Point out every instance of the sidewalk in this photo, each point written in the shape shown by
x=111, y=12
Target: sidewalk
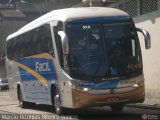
x=144, y=106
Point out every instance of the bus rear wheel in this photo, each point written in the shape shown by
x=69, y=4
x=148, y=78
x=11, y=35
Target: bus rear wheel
x=22, y=103
x=117, y=108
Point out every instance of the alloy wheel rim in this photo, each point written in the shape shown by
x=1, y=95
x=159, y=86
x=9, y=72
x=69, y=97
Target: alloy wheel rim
x=57, y=103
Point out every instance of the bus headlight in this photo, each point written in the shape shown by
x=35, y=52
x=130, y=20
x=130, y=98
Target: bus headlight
x=86, y=89
x=135, y=85
x=75, y=84
x=139, y=84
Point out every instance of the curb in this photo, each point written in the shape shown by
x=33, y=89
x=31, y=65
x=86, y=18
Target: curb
x=146, y=106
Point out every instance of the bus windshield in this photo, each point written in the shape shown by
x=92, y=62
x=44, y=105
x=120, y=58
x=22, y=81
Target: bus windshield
x=103, y=50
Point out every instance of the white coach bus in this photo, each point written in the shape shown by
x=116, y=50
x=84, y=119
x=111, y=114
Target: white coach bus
x=77, y=57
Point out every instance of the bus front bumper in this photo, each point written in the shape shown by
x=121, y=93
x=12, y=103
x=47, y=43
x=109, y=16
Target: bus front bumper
x=83, y=99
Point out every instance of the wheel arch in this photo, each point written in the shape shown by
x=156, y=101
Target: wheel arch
x=54, y=89
x=18, y=88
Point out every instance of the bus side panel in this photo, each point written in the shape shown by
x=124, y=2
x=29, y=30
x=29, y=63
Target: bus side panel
x=66, y=92
x=37, y=72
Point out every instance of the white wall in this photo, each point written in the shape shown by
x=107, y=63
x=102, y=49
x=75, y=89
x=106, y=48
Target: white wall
x=151, y=57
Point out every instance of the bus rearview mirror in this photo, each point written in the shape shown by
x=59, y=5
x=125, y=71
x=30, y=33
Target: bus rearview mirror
x=147, y=37
x=64, y=40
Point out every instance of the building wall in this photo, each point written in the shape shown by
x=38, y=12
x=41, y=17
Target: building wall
x=151, y=58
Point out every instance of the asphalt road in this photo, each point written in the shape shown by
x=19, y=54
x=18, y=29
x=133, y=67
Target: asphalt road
x=9, y=109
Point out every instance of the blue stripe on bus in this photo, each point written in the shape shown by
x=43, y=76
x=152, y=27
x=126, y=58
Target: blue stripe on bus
x=102, y=19
x=31, y=63
x=96, y=85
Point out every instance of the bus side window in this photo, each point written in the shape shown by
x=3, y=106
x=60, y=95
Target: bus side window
x=15, y=49
x=20, y=46
x=36, y=39
x=43, y=40
x=33, y=42
x=10, y=49
x=27, y=44
x=50, y=43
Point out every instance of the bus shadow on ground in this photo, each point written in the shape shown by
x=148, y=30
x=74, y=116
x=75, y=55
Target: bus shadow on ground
x=95, y=113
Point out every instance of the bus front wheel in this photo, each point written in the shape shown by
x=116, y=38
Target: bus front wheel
x=117, y=108
x=57, y=104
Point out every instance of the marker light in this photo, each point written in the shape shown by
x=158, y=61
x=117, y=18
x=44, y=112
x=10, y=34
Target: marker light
x=135, y=85
x=85, y=89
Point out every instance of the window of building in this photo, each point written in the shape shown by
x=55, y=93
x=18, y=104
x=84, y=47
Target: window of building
x=137, y=7
x=129, y=6
x=147, y=6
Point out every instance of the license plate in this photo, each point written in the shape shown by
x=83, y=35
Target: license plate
x=112, y=99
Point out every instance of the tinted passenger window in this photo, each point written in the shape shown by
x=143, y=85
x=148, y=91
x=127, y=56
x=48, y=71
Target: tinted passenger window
x=34, y=42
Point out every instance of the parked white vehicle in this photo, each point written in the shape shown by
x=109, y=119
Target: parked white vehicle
x=3, y=84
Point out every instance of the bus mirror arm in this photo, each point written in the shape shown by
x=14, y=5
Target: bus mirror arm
x=64, y=40
x=147, y=37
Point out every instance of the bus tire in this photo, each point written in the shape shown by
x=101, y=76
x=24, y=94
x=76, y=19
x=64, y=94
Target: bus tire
x=57, y=104
x=55, y=97
x=117, y=108
x=22, y=103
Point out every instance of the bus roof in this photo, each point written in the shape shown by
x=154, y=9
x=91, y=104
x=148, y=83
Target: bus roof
x=68, y=15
